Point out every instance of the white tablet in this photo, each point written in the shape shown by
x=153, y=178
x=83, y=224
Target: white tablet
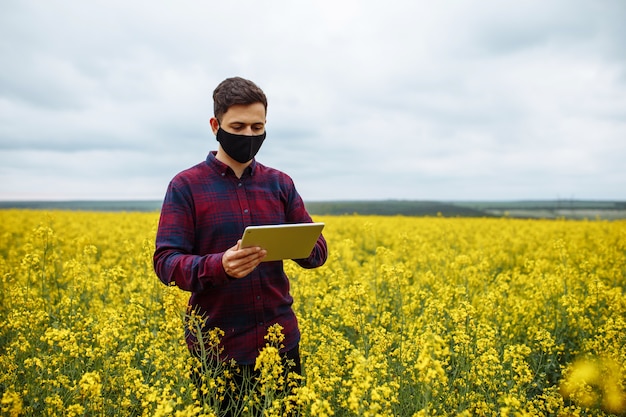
x=283, y=241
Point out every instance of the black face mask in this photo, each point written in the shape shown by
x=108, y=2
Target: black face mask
x=241, y=148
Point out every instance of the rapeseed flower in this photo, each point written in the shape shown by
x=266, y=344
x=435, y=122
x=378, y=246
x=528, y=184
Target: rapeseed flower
x=12, y=403
x=409, y=316
x=595, y=383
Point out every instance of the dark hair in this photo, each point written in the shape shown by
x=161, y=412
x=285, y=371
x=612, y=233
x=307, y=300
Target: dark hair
x=236, y=90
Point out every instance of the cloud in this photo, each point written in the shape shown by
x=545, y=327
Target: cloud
x=367, y=100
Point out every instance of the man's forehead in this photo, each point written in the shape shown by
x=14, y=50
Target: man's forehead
x=245, y=113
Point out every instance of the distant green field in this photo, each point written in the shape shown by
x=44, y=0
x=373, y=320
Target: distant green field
x=548, y=209
x=139, y=205
x=552, y=209
x=545, y=205
x=394, y=208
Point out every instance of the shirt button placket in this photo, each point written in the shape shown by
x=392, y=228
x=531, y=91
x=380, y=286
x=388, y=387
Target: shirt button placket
x=243, y=203
x=258, y=303
x=257, y=299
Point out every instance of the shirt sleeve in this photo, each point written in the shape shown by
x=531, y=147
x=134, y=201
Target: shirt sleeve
x=174, y=260
x=297, y=213
x=318, y=255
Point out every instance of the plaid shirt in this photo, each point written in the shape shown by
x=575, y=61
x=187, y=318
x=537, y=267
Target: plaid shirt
x=205, y=212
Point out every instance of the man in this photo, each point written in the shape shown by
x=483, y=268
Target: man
x=205, y=211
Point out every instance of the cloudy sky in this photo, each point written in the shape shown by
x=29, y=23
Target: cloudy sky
x=398, y=99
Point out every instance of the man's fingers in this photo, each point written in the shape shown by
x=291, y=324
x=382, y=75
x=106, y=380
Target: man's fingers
x=240, y=262
x=252, y=260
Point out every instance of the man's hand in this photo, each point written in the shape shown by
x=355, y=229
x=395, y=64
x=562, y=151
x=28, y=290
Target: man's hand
x=239, y=262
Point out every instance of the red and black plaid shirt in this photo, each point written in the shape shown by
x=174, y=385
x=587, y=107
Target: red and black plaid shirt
x=205, y=212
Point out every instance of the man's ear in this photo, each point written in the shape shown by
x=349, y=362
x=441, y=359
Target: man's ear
x=215, y=124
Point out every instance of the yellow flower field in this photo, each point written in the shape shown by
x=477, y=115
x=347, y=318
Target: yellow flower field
x=409, y=317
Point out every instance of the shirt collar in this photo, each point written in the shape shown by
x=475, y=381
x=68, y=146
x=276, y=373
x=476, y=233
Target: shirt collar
x=223, y=169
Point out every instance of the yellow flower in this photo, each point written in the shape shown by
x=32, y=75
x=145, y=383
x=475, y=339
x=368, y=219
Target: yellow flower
x=595, y=383
x=75, y=410
x=12, y=403
x=409, y=315
x=275, y=336
x=90, y=385
x=271, y=369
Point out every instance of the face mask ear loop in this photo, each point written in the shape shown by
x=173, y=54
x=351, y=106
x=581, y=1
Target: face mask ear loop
x=219, y=126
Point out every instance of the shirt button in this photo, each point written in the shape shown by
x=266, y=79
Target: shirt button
x=245, y=211
x=239, y=185
x=261, y=323
x=223, y=174
x=258, y=297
